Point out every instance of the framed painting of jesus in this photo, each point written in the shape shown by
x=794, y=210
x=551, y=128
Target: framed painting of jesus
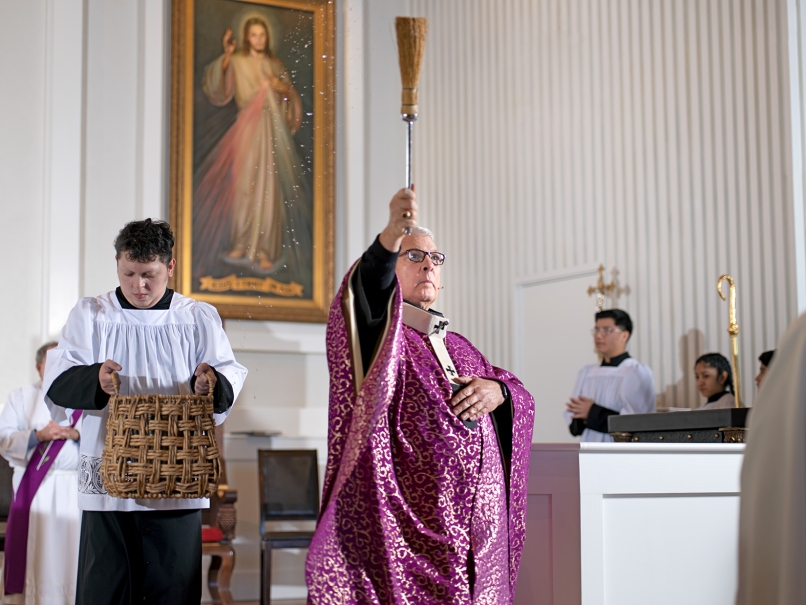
x=252, y=164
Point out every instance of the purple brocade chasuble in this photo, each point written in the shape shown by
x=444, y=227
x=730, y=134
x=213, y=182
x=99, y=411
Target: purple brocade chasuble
x=417, y=508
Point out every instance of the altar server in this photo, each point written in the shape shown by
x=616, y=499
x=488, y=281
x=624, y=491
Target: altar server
x=617, y=385
x=41, y=545
x=424, y=498
x=714, y=381
x=772, y=526
x=135, y=551
x=764, y=361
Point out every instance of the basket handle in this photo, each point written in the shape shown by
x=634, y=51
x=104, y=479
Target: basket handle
x=210, y=378
x=116, y=382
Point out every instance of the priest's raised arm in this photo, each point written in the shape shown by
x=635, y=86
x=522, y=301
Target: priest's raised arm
x=428, y=446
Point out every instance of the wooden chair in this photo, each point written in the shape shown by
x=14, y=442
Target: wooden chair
x=217, y=538
x=6, y=496
x=289, y=491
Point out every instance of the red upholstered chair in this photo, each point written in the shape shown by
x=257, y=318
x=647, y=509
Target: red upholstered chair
x=217, y=533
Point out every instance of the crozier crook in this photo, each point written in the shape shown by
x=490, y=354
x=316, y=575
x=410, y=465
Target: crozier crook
x=733, y=330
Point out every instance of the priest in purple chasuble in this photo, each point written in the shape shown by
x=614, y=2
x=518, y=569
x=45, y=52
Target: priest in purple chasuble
x=424, y=498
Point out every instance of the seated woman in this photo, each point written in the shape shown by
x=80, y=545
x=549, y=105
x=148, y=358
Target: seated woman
x=714, y=381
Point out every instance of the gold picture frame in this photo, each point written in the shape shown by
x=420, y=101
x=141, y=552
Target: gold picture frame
x=252, y=145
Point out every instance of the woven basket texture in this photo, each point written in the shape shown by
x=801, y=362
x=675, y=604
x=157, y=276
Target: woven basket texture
x=160, y=446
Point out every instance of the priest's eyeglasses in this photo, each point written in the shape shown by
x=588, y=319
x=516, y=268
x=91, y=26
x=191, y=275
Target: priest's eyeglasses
x=418, y=256
x=605, y=331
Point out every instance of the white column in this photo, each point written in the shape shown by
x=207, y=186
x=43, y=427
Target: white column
x=796, y=20
x=152, y=109
x=354, y=151
x=64, y=161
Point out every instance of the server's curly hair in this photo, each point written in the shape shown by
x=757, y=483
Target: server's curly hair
x=145, y=241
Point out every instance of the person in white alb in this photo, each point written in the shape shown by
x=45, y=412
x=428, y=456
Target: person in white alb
x=617, y=385
x=159, y=342
x=41, y=551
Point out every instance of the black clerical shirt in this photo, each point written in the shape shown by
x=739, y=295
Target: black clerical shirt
x=598, y=415
x=79, y=388
x=615, y=361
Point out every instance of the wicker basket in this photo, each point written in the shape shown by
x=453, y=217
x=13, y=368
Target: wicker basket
x=160, y=446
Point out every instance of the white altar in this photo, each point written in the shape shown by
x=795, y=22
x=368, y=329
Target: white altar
x=659, y=522
x=631, y=523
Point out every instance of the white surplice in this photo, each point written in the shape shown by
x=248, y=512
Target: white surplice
x=55, y=519
x=772, y=524
x=159, y=351
x=727, y=400
x=627, y=388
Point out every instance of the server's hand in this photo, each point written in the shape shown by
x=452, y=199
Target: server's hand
x=52, y=432
x=205, y=380
x=105, y=376
x=579, y=407
x=479, y=397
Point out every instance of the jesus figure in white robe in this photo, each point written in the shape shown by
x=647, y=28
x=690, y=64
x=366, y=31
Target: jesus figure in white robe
x=252, y=179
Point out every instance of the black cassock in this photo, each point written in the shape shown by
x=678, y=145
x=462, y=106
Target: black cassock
x=139, y=557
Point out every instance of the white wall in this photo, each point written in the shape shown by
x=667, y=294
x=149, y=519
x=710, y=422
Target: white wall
x=22, y=130
x=648, y=136
x=72, y=169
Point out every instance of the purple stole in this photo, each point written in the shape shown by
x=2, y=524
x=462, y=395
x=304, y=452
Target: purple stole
x=16, y=552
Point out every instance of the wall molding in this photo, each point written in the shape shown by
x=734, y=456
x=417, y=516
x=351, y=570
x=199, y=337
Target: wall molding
x=64, y=155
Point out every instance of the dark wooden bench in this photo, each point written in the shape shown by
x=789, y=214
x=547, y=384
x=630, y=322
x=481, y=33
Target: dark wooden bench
x=6, y=494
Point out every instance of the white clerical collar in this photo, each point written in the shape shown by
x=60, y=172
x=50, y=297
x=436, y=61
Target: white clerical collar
x=423, y=321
